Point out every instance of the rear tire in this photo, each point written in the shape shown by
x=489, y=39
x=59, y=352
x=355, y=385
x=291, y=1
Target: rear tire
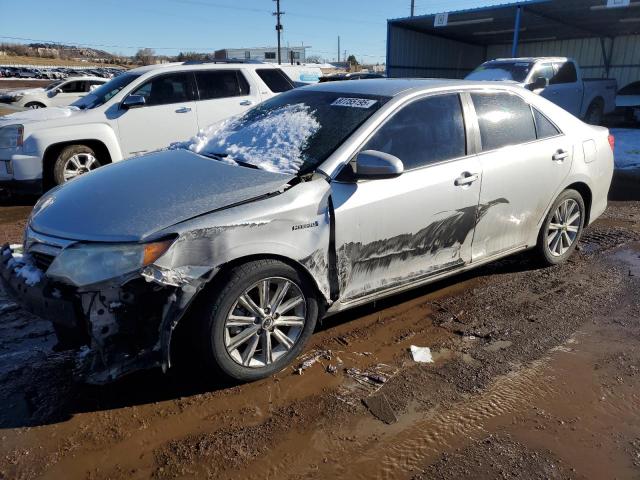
x=561, y=230
x=74, y=160
x=248, y=345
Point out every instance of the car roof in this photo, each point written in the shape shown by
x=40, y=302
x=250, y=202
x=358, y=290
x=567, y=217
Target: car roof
x=179, y=66
x=529, y=59
x=87, y=77
x=391, y=87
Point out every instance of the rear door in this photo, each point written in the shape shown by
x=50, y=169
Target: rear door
x=524, y=160
x=393, y=231
x=223, y=93
x=169, y=114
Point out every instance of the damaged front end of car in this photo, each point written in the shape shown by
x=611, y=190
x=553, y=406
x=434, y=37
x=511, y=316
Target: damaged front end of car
x=108, y=302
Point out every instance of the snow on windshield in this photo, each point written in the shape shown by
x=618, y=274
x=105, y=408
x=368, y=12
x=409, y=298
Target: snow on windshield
x=273, y=142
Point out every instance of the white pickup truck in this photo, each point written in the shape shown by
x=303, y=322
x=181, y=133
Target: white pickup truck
x=559, y=80
x=139, y=111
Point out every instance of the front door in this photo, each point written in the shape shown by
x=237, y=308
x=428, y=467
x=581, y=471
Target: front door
x=524, y=160
x=564, y=88
x=168, y=116
x=393, y=231
x=67, y=93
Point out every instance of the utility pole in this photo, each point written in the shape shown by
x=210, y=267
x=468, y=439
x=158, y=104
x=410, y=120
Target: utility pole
x=413, y=7
x=278, y=13
x=338, y=48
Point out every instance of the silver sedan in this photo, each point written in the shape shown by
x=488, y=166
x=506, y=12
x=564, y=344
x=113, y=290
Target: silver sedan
x=313, y=202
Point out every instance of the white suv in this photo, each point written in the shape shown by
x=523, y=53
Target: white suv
x=56, y=94
x=139, y=111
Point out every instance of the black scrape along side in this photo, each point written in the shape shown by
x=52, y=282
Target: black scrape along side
x=354, y=257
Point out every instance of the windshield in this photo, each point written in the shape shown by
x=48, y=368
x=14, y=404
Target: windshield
x=291, y=133
x=105, y=92
x=52, y=85
x=515, y=71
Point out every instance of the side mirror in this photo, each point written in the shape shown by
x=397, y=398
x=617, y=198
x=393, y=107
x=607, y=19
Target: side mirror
x=371, y=164
x=539, y=82
x=133, y=101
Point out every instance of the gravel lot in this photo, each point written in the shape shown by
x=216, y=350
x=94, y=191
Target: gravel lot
x=536, y=374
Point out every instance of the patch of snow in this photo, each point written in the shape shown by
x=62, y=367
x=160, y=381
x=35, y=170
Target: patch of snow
x=273, y=142
x=40, y=114
x=627, y=148
x=421, y=354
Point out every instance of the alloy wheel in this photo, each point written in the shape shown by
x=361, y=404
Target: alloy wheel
x=78, y=164
x=265, y=322
x=564, y=227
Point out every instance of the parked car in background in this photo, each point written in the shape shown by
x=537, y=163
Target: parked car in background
x=557, y=79
x=26, y=73
x=137, y=112
x=628, y=102
x=56, y=94
x=350, y=76
x=313, y=202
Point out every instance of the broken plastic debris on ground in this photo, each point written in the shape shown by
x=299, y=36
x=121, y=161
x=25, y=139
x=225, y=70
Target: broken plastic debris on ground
x=421, y=354
x=273, y=142
x=23, y=266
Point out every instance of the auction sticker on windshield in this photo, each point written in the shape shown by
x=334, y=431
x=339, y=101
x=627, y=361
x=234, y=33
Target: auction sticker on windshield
x=353, y=102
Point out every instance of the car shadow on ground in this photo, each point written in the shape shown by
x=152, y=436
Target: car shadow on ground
x=188, y=377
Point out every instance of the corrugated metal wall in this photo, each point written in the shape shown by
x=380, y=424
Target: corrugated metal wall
x=415, y=54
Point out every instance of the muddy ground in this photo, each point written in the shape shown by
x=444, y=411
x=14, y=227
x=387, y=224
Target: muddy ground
x=536, y=374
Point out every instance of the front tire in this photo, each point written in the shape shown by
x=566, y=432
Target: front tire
x=35, y=105
x=258, y=321
x=74, y=160
x=562, y=228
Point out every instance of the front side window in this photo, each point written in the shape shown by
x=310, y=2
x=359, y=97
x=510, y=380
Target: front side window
x=544, y=127
x=73, y=87
x=221, y=84
x=544, y=70
x=565, y=73
x=425, y=131
x=167, y=89
x=269, y=55
x=275, y=79
x=504, y=119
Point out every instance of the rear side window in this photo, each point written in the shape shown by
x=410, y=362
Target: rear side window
x=504, y=119
x=221, y=84
x=565, y=73
x=544, y=127
x=425, y=131
x=275, y=79
x=167, y=89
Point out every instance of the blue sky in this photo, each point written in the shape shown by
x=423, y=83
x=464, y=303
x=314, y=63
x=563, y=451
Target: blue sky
x=169, y=26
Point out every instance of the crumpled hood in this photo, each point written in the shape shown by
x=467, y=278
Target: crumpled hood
x=40, y=115
x=132, y=199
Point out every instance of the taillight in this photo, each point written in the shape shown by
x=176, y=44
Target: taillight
x=612, y=142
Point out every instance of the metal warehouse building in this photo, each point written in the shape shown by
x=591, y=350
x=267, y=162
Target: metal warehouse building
x=603, y=36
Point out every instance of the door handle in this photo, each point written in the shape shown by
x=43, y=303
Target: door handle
x=183, y=110
x=465, y=178
x=246, y=102
x=560, y=155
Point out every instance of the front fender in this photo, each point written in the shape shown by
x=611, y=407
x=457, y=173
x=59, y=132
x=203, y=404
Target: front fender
x=41, y=140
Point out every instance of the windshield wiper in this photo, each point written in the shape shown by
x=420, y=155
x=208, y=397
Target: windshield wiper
x=221, y=156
